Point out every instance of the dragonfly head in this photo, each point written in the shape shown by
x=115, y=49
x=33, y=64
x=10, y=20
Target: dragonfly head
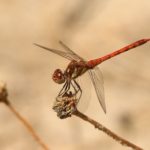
x=58, y=76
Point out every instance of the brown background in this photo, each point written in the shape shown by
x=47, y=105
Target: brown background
x=92, y=28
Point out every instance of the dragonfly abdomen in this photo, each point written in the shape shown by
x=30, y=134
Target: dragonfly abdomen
x=95, y=62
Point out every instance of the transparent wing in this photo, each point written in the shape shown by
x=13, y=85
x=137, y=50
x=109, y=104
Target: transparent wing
x=97, y=79
x=68, y=54
x=73, y=54
x=86, y=86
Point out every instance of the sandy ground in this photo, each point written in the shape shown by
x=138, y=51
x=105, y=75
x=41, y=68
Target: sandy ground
x=92, y=29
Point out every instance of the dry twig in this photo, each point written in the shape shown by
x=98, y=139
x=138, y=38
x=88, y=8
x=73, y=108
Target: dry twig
x=107, y=131
x=4, y=99
x=65, y=106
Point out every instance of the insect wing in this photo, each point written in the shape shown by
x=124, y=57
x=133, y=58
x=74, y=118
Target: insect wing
x=73, y=54
x=66, y=55
x=97, y=79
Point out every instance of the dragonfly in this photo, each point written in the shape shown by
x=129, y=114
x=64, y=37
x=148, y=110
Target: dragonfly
x=78, y=66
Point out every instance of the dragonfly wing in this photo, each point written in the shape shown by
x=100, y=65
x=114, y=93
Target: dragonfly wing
x=73, y=54
x=66, y=55
x=97, y=79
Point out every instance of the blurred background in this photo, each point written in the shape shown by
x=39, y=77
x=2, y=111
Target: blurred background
x=92, y=29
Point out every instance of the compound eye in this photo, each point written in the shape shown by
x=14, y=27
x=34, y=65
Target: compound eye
x=58, y=76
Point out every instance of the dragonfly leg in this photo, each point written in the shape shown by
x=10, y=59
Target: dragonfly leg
x=65, y=88
x=75, y=88
x=79, y=88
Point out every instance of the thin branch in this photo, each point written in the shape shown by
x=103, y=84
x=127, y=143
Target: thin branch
x=3, y=98
x=28, y=127
x=65, y=106
x=106, y=130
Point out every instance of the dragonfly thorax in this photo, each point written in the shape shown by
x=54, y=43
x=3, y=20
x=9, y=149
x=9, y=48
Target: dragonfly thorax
x=58, y=76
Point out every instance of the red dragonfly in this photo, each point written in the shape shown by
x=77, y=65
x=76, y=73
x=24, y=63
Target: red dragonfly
x=78, y=66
